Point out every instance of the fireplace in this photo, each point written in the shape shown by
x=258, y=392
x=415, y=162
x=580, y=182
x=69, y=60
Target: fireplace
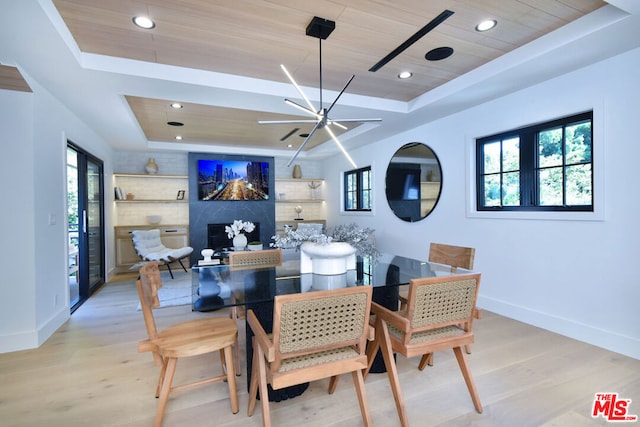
x=218, y=240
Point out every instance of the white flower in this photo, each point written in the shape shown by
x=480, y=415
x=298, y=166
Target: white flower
x=238, y=227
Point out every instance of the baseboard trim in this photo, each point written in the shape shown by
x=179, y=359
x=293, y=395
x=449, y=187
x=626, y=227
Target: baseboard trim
x=590, y=334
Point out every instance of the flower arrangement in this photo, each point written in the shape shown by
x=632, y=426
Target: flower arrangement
x=358, y=237
x=238, y=227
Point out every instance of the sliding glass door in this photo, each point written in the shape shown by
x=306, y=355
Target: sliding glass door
x=85, y=206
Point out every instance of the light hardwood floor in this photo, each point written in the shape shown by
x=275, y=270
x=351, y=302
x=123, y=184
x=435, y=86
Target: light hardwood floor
x=89, y=373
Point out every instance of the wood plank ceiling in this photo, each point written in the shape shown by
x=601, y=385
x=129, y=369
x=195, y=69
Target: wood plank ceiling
x=253, y=37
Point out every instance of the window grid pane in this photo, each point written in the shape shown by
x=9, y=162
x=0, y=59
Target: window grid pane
x=546, y=166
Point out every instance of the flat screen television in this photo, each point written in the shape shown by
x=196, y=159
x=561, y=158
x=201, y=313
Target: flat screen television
x=403, y=183
x=233, y=180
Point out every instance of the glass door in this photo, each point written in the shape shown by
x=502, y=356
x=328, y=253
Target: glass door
x=85, y=207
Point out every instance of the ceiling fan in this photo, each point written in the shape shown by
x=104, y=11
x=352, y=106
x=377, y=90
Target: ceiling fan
x=319, y=28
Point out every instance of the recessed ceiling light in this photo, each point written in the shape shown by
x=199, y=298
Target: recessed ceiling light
x=289, y=145
x=144, y=22
x=405, y=75
x=175, y=123
x=486, y=25
x=438, y=53
x=178, y=137
x=176, y=105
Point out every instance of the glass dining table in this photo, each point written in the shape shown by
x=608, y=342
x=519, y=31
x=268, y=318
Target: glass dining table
x=255, y=287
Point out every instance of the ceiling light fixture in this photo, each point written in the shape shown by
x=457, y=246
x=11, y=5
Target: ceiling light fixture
x=405, y=75
x=179, y=138
x=176, y=105
x=319, y=28
x=486, y=25
x=144, y=22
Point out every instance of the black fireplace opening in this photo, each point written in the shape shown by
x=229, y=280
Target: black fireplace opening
x=218, y=240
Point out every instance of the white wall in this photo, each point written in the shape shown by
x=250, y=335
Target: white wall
x=17, y=251
x=34, y=284
x=572, y=277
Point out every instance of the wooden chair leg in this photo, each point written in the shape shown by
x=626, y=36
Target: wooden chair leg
x=333, y=383
x=231, y=379
x=163, y=369
x=358, y=381
x=233, y=314
x=392, y=372
x=264, y=392
x=372, y=350
x=169, y=368
x=253, y=385
x=466, y=373
x=427, y=359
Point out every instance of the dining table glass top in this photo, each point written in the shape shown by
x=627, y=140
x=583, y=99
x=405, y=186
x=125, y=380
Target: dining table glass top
x=219, y=286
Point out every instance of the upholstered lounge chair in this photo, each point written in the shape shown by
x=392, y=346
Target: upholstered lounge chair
x=149, y=247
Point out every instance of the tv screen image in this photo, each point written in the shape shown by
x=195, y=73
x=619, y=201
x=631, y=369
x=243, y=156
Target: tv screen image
x=233, y=180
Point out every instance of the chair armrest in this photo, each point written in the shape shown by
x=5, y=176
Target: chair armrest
x=392, y=317
x=261, y=337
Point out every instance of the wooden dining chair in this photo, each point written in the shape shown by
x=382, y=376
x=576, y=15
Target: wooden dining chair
x=242, y=260
x=316, y=335
x=252, y=259
x=453, y=257
x=439, y=312
x=190, y=338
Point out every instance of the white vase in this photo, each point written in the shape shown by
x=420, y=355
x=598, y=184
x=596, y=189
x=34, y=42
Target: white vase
x=240, y=242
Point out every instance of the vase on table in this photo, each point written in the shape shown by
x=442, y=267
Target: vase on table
x=240, y=242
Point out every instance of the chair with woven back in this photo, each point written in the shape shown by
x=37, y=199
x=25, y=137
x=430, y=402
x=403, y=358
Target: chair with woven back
x=452, y=257
x=246, y=260
x=186, y=339
x=316, y=335
x=438, y=317
x=252, y=259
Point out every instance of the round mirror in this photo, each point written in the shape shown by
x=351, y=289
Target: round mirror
x=414, y=181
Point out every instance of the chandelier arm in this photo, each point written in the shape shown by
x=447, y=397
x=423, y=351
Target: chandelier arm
x=284, y=122
x=340, y=94
x=341, y=147
x=293, y=82
x=315, y=128
x=302, y=108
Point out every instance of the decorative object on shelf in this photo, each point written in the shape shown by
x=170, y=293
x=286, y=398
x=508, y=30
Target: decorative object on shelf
x=358, y=237
x=206, y=254
x=282, y=196
x=431, y=175
x=151, y=167
x=235, y=232
x=130, y=196
x=314, y=186
x=180, y=195
x=154, y=219
x=297, y=172
x=255, y=246
x=298, y=211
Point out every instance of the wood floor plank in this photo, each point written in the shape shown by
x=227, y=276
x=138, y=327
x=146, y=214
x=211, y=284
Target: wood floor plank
x=90, y=373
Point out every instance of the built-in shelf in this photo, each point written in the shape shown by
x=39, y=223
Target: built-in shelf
x=299, y=200
x=152, y=201
x=296, y=191
x=144, y=175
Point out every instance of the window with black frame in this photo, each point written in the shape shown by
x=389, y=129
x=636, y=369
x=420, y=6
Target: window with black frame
x=357, y=190
x=543, y=167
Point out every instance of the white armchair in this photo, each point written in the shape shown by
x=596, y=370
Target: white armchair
x=149, y=247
